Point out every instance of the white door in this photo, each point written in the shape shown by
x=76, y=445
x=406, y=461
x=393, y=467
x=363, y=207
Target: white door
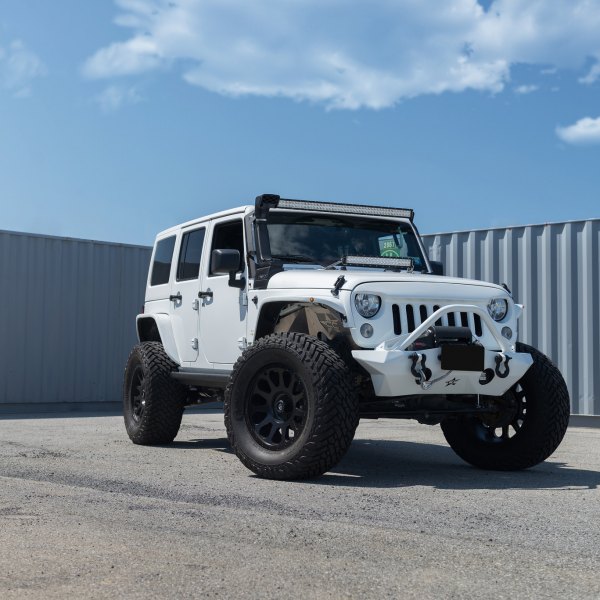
x=185, y=303
x=223, y=308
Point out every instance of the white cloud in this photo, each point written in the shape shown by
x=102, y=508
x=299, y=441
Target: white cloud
x=19, y=66
x=114, y=97
x=526, y=89
x=593, y=74
x=348, y=53
x=124, y=58
x=584, y=131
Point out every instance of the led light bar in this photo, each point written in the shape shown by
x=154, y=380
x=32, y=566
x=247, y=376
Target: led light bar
x=355, y=209
x=378, y=261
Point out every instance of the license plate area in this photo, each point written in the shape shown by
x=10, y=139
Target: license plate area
x=460, y=357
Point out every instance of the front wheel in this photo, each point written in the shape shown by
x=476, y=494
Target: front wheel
x=290, y=410
x=528, y=429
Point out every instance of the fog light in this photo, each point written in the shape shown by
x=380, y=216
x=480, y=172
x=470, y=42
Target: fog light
x=507, y=332
x=366, y=330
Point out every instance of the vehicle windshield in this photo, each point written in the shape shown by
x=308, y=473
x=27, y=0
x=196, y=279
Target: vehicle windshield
x=325, y=239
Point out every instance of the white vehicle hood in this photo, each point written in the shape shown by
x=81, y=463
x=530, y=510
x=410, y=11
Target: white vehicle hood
x=312, y=279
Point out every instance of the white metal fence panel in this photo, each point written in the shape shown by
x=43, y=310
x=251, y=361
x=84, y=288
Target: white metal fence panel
x=553, y=269
x=67, y=317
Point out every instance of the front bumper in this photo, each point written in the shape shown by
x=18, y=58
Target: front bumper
x=397, y=371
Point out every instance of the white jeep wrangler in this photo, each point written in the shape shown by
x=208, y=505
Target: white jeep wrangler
x=307, y=316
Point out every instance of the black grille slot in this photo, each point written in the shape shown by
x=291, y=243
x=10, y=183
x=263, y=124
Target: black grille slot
x=396, y=317
x=461, y=320
x=478, y=329
x=410, y=317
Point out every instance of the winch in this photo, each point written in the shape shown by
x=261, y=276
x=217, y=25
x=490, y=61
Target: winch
x=437, y=336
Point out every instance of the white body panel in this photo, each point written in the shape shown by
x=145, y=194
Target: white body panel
x=222, y=317
x=185, y=312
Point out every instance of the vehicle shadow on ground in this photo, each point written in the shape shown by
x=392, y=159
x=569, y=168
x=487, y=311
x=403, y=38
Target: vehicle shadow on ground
x=391, y=463
x=377, y=463
x=199, y=444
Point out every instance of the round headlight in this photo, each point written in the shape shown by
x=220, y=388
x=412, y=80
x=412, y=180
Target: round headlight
x=497, y=307
x=367, y=305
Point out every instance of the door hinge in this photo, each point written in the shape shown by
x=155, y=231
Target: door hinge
x=196, y=304
x=244, y=299
x=194, y=343
x=242, y=343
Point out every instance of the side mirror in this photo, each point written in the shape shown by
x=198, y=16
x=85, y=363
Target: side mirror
x=437, y=268
x=223, y=262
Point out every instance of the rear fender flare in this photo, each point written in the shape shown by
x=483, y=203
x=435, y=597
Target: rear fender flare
x=165, y=331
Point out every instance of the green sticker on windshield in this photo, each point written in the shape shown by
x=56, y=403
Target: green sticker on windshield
x=389, y=249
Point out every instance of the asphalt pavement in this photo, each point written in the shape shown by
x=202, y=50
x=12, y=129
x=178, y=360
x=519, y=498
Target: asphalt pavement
x=84, y=513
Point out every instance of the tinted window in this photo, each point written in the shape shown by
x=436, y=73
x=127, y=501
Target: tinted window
x=190, y=255
x=162, y=261
x=229, y=236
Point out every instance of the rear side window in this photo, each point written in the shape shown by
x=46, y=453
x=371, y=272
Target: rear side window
x=161, y=267
x=190, y=254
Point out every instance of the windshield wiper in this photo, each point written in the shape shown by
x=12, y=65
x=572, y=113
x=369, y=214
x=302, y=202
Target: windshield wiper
x=337, y=263
x=296, y=258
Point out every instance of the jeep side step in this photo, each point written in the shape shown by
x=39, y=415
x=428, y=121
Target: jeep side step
x=213, y=378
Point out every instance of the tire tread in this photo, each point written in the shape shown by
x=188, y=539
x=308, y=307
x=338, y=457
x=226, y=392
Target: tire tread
x=336, y=416
x=165, y=398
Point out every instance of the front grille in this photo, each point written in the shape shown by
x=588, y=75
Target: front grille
x=407, y=317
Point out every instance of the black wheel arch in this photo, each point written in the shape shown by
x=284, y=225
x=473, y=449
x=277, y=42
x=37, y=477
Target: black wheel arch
x=147, y=330
x=297, y=315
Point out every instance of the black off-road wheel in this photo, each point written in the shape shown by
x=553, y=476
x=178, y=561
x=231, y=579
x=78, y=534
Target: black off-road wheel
x=153, y=402
x=529, y=428
x=290, y=409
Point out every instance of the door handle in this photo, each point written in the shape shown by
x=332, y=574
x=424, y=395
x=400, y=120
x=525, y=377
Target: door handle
x=175, y=297
x=205, y=294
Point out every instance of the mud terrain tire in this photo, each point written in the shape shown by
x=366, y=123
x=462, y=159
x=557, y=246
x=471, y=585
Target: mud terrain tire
x=290, y=409
x=153, y=402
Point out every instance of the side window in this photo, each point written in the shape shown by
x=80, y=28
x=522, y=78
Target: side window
x=161, y=267
x=229, y=236
x=190, y=254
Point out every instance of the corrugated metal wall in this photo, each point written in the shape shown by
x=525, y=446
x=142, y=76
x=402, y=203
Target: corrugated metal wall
x=67, y=317
x=554, y=270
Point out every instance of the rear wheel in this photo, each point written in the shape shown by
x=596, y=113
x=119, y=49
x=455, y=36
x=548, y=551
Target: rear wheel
x=528, y=429
x=290, y=410
x=153, y=402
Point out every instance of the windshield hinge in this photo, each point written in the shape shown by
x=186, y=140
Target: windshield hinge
x=339, y=282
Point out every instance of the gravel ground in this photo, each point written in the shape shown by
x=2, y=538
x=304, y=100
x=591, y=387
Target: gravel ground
x=85, y=513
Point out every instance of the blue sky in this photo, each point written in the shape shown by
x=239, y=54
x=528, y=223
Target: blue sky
x=119, y=119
